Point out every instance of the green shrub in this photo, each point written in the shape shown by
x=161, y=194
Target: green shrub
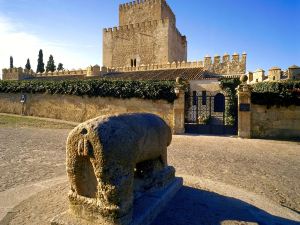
x=229, y=86
x=104, y=88
x=276, y=93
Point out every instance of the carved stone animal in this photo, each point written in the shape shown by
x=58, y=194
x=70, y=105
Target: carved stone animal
x=111, y=158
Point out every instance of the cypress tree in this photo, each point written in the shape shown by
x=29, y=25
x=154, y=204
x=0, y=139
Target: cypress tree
x=28, y=66
x=41, y=65
x=50, y=65
x=11, y=62
x=60, y=67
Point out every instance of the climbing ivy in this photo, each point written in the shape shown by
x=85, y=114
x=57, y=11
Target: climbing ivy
x=284, y=93
x=229, y=87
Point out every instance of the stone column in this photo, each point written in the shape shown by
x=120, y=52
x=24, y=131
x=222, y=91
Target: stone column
x=178, y=108
x=244, y=109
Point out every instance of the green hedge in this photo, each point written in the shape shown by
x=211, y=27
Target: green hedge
x=276, y=93
x=104, y=88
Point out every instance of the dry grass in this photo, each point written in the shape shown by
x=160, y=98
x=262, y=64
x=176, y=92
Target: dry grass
x=23, y=121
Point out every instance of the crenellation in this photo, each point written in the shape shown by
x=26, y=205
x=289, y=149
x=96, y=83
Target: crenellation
x=244, y=57
x=138, y=26
x=226, y=58
x=139, y=3
x=217, y=59
x=207, y=62
x=235, y=57
x=226, y=68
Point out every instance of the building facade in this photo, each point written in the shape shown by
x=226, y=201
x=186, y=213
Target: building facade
x=146, y=34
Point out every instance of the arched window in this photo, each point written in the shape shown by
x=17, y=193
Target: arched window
x=131, y=62
x=134, y=62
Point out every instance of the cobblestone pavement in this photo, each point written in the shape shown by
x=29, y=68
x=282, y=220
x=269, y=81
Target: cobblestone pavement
x=268, y=168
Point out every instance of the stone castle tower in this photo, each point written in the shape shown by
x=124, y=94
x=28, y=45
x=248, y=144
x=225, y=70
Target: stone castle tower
x=147, y=34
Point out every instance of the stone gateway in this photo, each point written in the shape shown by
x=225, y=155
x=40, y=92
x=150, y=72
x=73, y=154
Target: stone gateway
x=112, y=161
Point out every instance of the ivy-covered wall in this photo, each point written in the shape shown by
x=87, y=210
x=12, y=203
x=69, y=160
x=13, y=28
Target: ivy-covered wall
x=80, y=100
x=275, y=111
x=285, y=93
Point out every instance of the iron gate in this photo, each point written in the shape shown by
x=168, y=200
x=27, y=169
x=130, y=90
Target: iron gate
x=205, y=114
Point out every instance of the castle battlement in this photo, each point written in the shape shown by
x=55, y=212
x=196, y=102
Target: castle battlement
x=235, y=64
x=16, y=74
x=146, y=34
x=235, y=58
x=229, y=65
x=138, y=26
x=139, y=3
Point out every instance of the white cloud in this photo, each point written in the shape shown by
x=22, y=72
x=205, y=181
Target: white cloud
x=16, y=42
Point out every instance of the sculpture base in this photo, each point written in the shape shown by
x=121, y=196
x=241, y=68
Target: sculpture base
x=145, y=209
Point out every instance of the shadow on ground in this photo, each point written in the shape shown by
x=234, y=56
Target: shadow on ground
x=190, y=206
x=197, y=207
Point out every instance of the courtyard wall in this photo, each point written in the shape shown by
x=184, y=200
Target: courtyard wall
x=80, y=109
x=275, y=122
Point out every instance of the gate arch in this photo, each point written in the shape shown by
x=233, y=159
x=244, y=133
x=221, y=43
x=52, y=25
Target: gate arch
x=205, y=113
x=219, y=103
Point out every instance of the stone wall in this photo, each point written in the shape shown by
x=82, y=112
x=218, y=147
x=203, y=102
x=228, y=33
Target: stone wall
x=22, y=74
x=80, y=109
x=138, y=12
x=228, y=65
x=210, y=85
x=177, y=45
x=16, y=74
x=146, y=42
x=146, y=34
x=275, y=122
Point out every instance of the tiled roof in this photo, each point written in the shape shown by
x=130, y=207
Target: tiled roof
x=167, y=74
x=163, y=74
x=56, y=78
x=294, y=67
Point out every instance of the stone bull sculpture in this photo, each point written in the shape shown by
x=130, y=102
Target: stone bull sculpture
x=112, y=161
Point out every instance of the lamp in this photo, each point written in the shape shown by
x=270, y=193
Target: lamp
x=177, y=91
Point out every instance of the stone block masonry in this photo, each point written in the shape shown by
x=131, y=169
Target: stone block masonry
x=80, y=109
x=229, y=65
x=147, y=10
x=147, y=34
x=275, y=122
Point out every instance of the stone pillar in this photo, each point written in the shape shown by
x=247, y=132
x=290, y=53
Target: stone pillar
x=178, y=109
x=244, y=109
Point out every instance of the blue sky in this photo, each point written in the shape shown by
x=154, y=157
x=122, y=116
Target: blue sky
x=71, y=30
